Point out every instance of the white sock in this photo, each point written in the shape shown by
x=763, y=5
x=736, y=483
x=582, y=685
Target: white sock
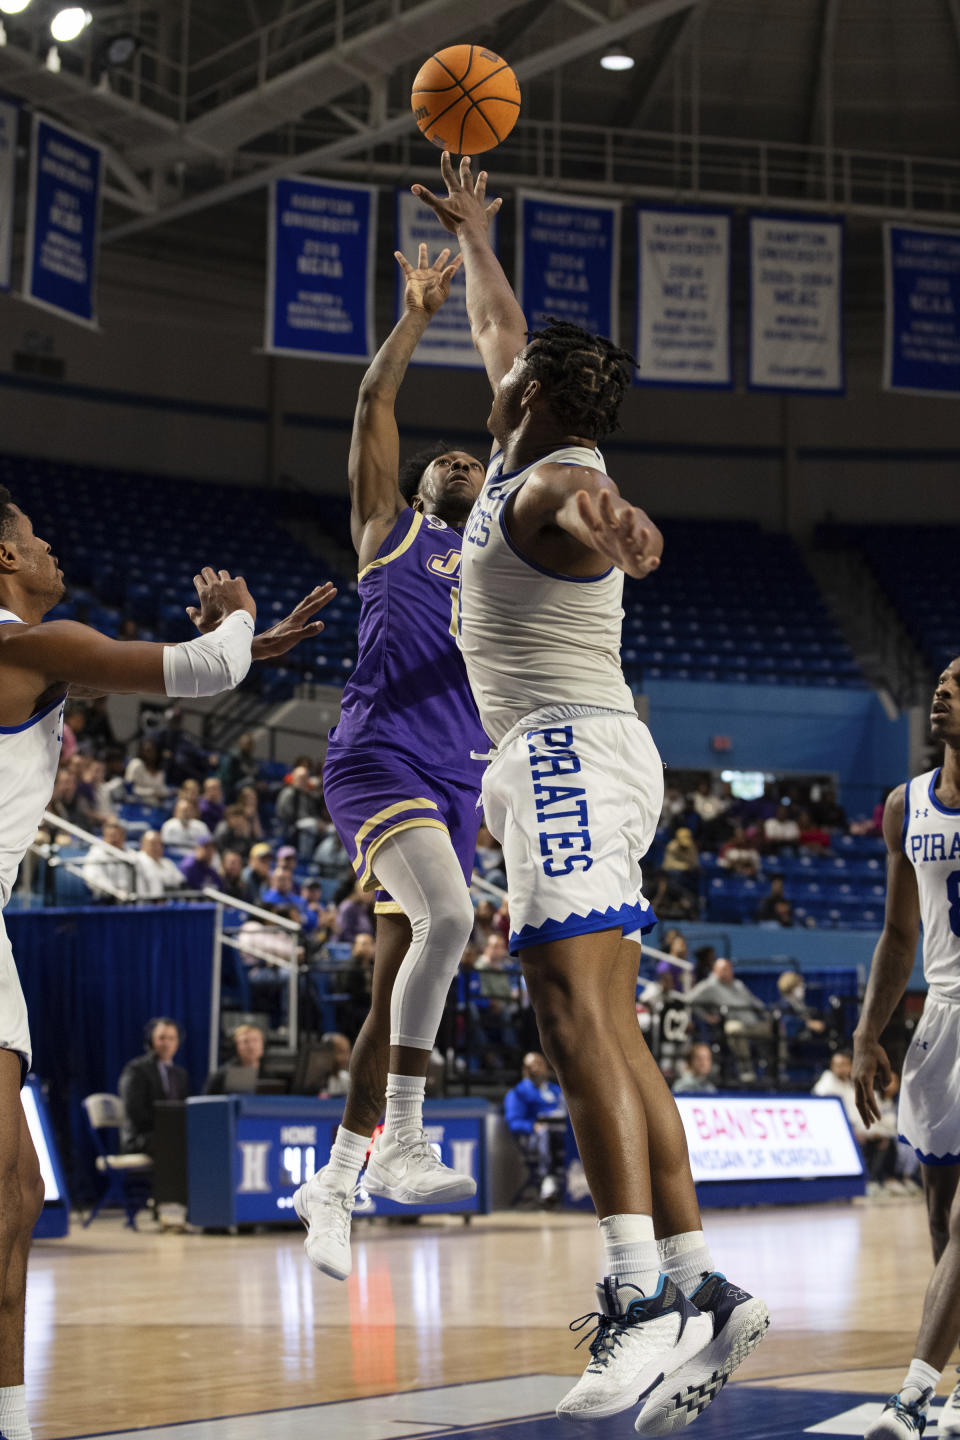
x=13, y=1412
x=346, y=1157
x=404, y=1103
x=920, y=1377
x=686, y=1259
x=630, y=1251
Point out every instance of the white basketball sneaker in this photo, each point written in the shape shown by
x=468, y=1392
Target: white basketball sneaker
x=738, y=1323
x=901, y=1419
x=406, y=1168
x=948, y=1421
x=637, y=1339
x=325, y=1209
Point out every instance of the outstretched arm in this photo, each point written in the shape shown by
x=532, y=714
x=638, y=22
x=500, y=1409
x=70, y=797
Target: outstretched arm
x=375, y=499
x=574, y=519
x=496, y=320
x=892, y=963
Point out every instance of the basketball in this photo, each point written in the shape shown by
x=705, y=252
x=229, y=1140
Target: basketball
x=465, y=99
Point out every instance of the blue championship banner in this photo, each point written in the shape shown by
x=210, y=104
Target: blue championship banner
x=447, y=341
x=796, y=304
x=922, y=346
x=8, y=163
x=320, y=270
x=63, y=222
x=683, y=298
x=568, y=261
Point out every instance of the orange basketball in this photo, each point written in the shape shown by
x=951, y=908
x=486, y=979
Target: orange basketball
x=465, y=99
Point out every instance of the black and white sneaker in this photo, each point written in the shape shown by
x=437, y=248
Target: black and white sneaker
x=739, y=1322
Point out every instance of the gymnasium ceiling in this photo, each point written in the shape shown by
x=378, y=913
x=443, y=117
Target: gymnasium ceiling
x=853, y=104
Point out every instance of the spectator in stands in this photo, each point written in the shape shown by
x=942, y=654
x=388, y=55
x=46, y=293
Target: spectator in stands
x=704, y=958
x=766, y=910
x=238, y=767
x=483, y=917
x=180, y=755
x=74, y=739
x=114, y=783
x=357, y=981
x=92, y=798
x=156, y=873
x=489, y=859
x=287, y=860
x=696, y=1076
x=828, y=812
x=247, y=1055
x=145, y=777
x=231, y=880
x=260, y=942
x=494, y=954
x=109, y=877
x=781, y=831
x=740, y=855
x=258, y=871
x=312, y=893
x=63, y=801
x=874, y=825
x=682, y=857
x=537, y=1116
x=724, y=1000
x=147, y=1079
x=711, y=810
x=198, y=869
x=98, y=727
x=671, y=896
x=338, y=1082
x=674, y=806
x=233, y=831
x=184, y=830
x=354, y=914
x=331, y=858
x=814, y=839
x=793, y=1003
x=248, y=798
x=663, y=1015
x=281, y=893
x=838, y=1080
x=299, y=811
x=783, y=913
x=211, y=806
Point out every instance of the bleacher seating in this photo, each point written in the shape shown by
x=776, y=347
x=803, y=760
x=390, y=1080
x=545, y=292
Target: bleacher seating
x=912, y=565
x=842, y=890
x=738, y=604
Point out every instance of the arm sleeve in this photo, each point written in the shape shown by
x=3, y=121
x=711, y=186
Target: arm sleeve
x=210, y=663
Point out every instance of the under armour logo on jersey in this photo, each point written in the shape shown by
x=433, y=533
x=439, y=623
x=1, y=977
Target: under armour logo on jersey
x=922, y=1044
x=925, y=814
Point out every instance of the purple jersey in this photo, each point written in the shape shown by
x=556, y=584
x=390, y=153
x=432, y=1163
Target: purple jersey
x=409, y=691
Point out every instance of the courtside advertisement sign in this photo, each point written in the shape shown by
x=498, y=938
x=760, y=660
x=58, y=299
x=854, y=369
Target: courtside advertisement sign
x=448, y=340
x=63, y=221
x=568, y=261
x=683, y=298
x=767, y=1138
x=796, y=304
x=922, y=349
x=320, y=270
x=8, y=163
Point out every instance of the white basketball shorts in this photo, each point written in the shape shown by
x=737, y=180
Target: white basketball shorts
x=574, y=794
x=14, y=1026
x=929, y=1115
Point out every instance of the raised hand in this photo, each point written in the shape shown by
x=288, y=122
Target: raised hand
x=294, y=627
x=219, y=594
x=427, y=286
x=464, y=203
x=621, y=532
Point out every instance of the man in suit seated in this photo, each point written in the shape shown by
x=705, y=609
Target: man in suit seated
x=537, y=1117
x=149, y=1078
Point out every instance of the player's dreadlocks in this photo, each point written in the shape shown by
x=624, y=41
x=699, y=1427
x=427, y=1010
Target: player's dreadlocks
x=585, y=377
x=411, y=471
x=7, y=517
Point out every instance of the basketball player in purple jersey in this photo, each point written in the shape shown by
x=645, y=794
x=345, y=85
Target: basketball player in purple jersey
x=573, y=791
x=401, y=786
x=39, y=665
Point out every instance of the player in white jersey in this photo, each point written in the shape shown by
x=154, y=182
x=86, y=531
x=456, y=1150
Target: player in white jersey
x=573, y=792
x=39, y=664
x=921, y=825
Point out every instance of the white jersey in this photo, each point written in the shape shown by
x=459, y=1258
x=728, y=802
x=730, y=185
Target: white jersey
x=931, y=842
x=531, y=637
x=29, y=756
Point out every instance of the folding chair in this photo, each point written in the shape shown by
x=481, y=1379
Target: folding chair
x=129, y=1177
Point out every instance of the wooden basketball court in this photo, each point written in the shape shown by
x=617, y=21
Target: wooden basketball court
x=445, y=1328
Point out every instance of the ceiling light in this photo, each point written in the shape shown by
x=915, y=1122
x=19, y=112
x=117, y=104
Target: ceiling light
x=67, y=24
x=13, y=7
x=120, y=49
x=616, y=58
